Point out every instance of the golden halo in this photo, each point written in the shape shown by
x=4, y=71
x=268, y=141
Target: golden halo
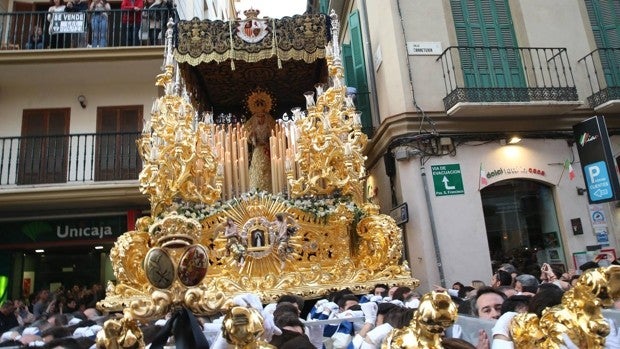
x=259, y=101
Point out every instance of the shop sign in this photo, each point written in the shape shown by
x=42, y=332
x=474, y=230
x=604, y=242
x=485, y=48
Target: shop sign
x=59, y=230
x=515, y=171
x=447, y=179
x=597, y=161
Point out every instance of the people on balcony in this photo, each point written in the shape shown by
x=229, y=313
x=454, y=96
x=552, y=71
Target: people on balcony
x=130, y=22
x=78, y=39
x=99, y=23
x=57, y=39
x=36, y=40
x=155, y=16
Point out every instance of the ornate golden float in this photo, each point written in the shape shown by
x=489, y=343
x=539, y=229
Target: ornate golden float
x=313, y=233
x=211, y=236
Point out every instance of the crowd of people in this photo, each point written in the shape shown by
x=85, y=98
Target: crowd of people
x=68, y=318
x=137, y=17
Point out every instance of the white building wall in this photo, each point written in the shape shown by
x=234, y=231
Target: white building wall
x=459, y=219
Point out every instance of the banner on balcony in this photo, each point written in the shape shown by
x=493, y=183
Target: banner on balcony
x=68, y=22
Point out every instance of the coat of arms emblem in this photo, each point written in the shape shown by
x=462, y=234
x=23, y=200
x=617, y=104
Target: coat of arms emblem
x=252, y=29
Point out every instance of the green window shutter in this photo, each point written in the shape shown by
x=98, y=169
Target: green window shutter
x=347, y=63
x=605, y=21
x=487, y=23
x=324, y=6
x=359, y=71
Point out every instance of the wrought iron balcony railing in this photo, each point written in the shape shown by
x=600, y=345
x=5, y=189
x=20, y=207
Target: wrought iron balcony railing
x=603, y=72
x=69, y=158
x=62, y=30
x=506, y=74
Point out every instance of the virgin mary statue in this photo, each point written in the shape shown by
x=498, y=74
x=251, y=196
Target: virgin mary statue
x=259, y=126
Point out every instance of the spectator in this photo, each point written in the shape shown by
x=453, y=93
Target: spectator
x=57, y=39
x=526, y=283
x=78, y=39
x=36, y=39
x=130, y=22
x=42, y=301
x=487, y=304
x=8, y=319
x=293, y=335
x=99, y=23
x=155, y=15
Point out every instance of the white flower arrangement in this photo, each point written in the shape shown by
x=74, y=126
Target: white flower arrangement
x=319, y=207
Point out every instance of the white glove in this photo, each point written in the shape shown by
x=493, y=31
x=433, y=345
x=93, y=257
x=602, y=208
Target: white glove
x=502, y=325
x=398, y=302
x=376, y=299
x=568, y=344
x=269, y=308
x=330, y=307
x=357, y=341
x=613, y=338
x=457, y=331
x=270, y=327
x=319, y=306
x=379, y=333
x=502, y=344
x=370, y=312
x=248, y=300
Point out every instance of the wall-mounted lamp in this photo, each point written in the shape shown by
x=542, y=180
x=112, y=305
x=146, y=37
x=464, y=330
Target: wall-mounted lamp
x=514, y=140
x=510, y=140
x=581, y=191
x=82, y=101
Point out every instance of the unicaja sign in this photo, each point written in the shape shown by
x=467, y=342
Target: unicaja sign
x=68, y=232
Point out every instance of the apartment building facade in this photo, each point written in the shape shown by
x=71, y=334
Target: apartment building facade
x=449, y=83
x=71, y=115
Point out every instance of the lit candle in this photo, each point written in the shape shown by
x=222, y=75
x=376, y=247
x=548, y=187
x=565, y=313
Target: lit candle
x=309, y=99
x=357, y=118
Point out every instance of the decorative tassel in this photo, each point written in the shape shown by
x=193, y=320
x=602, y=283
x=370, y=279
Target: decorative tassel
x=232, y=47
x=275, y=42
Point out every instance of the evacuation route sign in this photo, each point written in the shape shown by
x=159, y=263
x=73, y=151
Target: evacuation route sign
x=447, y=179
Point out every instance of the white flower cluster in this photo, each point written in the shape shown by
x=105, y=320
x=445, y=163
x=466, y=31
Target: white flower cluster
x=319, y=207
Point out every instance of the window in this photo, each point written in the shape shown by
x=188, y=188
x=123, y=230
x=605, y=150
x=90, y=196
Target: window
x=117, y=156
x=44, y=146
x=605, y=20
x=487, y=24
x=355, y=71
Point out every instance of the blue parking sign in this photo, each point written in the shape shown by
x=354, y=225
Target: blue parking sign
x=597, y=181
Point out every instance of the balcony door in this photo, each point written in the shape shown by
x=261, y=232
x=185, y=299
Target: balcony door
x=605, y=20
x=117, y=156
x=484, y=30
x=44, y=146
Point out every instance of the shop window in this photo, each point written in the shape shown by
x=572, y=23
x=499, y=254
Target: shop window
x=44, y=146
x=522, y=225
x=117, y=156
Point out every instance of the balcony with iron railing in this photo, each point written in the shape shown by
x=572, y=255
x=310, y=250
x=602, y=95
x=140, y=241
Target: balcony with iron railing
x=602, y=68
x=70, y=159
x=64, y=30
x=492, y=81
